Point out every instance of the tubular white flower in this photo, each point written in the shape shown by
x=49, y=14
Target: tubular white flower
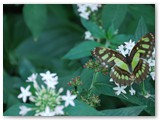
x=24, y=93
x=69, y=99
x=48, y=76
x=119, y=89
x=59, y=110
x=47, y=112
x=24, y=110
x=132, y=91
x=88, y=35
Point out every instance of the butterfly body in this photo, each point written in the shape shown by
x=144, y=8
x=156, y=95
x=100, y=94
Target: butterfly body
x=131, y=68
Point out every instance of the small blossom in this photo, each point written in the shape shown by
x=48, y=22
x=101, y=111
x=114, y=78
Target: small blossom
x=69, y=99
x=111, y=80
x=47, y=112
x=119, y=89
x=147, y=95
x=122, y=50
x=24, y=93
x=129, y=45
x=51, y=83
x=86, y=9
x=24, y=110
x=152, y=75
x=48, y=76
x=59, y=110
x=88, y=35
x=32, y=78
x=151, y=62
x=132, y=91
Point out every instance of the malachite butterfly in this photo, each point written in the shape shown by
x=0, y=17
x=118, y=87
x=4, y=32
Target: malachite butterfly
x=133, y=67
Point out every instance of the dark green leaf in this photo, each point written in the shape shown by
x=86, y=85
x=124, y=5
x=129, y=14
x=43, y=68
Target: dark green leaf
x=95, y=30
x=113, y=14
x=81, y=50
x=25, y=69
x=127, y=111
x=147, y=11
x=35, y=16
x=82, y=109
x=141, y=29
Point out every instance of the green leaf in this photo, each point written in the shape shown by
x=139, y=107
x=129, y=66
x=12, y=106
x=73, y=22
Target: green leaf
x=127, y=111
x=14, y=110
x=95, y=30
x=107, y=89
x=113, y=14
x=81, y=50
x=141, y=29
x=120, y=39
x=10, y=86
x=25, y=68
x=147, y=11
x=82, y=109
x=35, y=16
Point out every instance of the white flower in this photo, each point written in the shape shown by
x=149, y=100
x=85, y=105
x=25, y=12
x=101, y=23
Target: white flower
x=132, y=91
x=32, y=78
x=59, y=110
x=86, y=9
x=69, y=99
x=129, y=45
x=25, y=93
x=24, y=110
x=47, y=112
x=119, y=89
x=147, y=95
x=152, y=75
x=51, y=83
x=111, y=80
x=151, y=62
x=48, y=76
x=88, y=35
x=85, y=15
x=122, y=50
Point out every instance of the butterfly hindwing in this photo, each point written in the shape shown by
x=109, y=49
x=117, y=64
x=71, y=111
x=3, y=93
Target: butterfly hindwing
x=120, y=76
x=141, y=71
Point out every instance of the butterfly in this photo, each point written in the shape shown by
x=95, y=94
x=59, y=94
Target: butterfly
x=125, y=70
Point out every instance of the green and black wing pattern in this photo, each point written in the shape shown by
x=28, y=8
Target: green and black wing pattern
x=122, y=71
x=106, y=56
x=144, y=46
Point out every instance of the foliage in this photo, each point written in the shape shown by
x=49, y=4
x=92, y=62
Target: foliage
x=51, y=37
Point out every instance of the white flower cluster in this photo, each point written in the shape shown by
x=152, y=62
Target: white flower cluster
x=126, y=48
x=48, y=101
x=86, y=9
x=121, y=89
x=88, y=36
x=151, y=62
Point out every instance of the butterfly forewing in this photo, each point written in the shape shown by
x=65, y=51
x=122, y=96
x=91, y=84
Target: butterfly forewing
x=107, y=56
x=144, y=47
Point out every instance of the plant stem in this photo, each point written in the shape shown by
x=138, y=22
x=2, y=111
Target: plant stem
x=143, y=89
x=93, y=80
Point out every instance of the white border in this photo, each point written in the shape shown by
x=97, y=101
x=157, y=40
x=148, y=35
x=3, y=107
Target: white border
x=76, y=2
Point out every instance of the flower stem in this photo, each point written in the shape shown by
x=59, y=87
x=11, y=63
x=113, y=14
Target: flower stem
x=93, y=80
x=144, y=92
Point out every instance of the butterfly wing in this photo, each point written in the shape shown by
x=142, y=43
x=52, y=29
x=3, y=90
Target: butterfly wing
x=107, y=56
x=120, y=76
x=144, y=47
x=120, y=72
